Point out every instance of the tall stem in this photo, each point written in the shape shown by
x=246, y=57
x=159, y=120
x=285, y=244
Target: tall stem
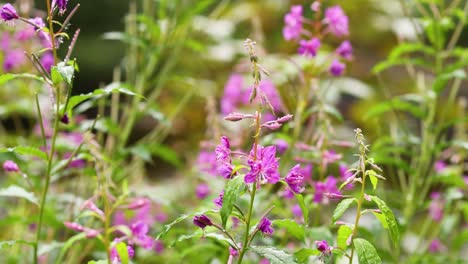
x=359, y=203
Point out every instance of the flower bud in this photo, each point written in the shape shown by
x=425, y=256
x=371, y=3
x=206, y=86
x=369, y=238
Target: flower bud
x=10, y=166
x=202, y=221
x=284, y=119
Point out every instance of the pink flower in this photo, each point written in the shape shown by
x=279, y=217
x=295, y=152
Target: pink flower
x=329, y=186
x=206, y=162
x=232, y=93
x=309, y=48
x=13, y=59
x=293, y=23
x=436, y=207
x=114, y=255
x=8, y=13
x=10, y=166
x=265, y=226
x=202, y=191
x=323, y=246
x=435, y=246
x=61, y=5
x=295, y=179
x=439, y=166
x=202, y=221
x=337, y=68
x=219, y=201
x=337, y=21
x=297, y=211
x=139, y=235
x=265, y=167
x=223, y=158
x=345, y=50
x=268, y=95
x=47, y=61
x=281, y=146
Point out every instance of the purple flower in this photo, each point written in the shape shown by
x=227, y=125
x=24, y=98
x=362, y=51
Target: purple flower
x=90, y=205
x=233, y=252
x=74, y=163
x=297, y=211
x=337, y=68
x=158, y=246
x=206, y=162
x=139, y=235
x=223, y=153
x=330, y=156
x=293, y=23
x=329, y=186
x=47, y=61
x=281, y=146
x=435, y=246
x=265, y=226
x=8, y=13
x=219, y=201
x=436, y=207
x=10, y=166
x=439, y=166
x=265, y=167
x=295, y=180
x=287, y=194
x=266, y=89
x=345, y=50
x=232, y=93
x=202, y=221
x=13, y=59
x=61, y=5
x=309, y=48
x=5, y=41
x=323, y=246
x=114, y=255
x=202, y=191
x=337, y=21
x=306, y=171
x=345, y=175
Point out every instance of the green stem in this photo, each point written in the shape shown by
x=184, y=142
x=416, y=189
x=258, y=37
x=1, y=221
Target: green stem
x=48, y=174
x=247, y=224
x=359, y=205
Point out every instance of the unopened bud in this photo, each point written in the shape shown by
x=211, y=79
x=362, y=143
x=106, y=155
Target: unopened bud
x=284, y=119
x=236, y=117
x=273, y=125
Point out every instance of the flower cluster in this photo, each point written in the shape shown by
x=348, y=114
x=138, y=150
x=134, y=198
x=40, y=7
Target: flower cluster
x=335, y=22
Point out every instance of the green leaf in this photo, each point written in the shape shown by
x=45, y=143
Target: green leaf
x=23, y=150
x=303, y=206
x=373, y=178
x=390, y=219
x=181, y=218
x=98, y=262
x=142, y=152
x=302, y=255
x=381, y=218
x=123, y=252
x=70, y=243
x=16, y=191
x=204, y=234
x=344, y=232
x=442, y=80
x=390, y=63
x=396, y=104
x=66, y=72
x=9, y=243
x=166, y=153
x=275, y=256
x=10, y=76
x=231, y=192
x=341, y=208
x=292, y=228
x=367, y=254
x=405, y=48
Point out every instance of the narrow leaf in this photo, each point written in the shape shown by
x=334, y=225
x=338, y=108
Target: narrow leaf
x=291, y=227
x=275, y=256
x=231, y=192
x=16, y=191
x=390, y=219
x=302, y=256
x=341, y=208
x=367, y=254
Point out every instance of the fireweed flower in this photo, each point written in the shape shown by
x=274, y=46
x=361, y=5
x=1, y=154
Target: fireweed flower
x=309, y=48
x=293, y=23
x=114, y=255
x=265, y=167
x=61, y=5
x=297, y=211
x=8, y=13
x=219, y=200
x=206, y=162
x=336, y=68
x=47, y=61
x=202, y=191
x=268, y=90
x=295, y=180
x=158, y=246
x=223, y=158
x=202, y=221
x=435, y=246
x=13, y=59
x=345, y=50
x=10, y=166
x=329, y=186
x=232, y=94
x=265, y=226
x=337, y=21
x=345, y=175
x=323, y=246
x=233, y=252
x=281, y=146
x=436, y=207
x=439, y=166
x=139, y=235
